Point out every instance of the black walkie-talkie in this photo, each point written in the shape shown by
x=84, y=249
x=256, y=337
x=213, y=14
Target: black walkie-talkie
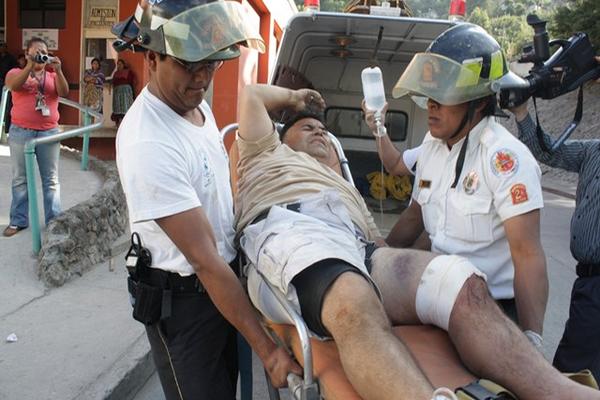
x=138, y=258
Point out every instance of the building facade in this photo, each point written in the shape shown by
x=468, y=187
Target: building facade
x=79, y=30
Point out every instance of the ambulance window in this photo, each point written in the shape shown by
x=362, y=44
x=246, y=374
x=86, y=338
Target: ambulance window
x=349, y=122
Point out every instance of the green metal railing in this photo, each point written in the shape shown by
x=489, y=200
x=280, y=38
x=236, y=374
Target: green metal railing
x=2, y=112
x=34, y=219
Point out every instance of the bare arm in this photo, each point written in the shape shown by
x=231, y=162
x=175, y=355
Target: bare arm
x=531, y=279
x=257, y=100
x=192, y=234
x=390, y=156
x=408, y=227
x=62, y=86
x=14, y=82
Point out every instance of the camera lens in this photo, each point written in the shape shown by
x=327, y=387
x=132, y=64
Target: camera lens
x=41, y=58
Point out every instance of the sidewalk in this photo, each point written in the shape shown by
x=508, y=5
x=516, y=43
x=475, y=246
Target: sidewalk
x=74, y=342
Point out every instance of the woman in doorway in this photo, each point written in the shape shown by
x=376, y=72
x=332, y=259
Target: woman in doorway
x=35, y=92
x=123, y=83
x=94, y=85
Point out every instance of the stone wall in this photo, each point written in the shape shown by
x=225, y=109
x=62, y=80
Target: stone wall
x=83, y=235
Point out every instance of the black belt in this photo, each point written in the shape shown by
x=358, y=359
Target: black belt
x=173, y=281
x=177, y=283
x=264, y=213
x=587, y=270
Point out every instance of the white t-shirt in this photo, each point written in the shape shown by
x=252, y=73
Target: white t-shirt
x=500, y=179
x=167, y=165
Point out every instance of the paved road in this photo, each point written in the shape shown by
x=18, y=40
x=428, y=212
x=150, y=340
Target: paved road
x=561, y=268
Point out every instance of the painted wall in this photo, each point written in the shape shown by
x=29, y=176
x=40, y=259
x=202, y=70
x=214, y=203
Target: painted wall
x=69, y=49
x=269, y=16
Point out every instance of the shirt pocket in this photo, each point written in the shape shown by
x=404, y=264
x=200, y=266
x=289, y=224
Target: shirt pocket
x=428, y=210
x=469, y=218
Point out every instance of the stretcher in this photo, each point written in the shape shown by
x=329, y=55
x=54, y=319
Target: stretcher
x=323, y=376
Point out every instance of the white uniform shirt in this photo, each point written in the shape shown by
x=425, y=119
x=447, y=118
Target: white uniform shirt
x=500, y=179
x=167, y=165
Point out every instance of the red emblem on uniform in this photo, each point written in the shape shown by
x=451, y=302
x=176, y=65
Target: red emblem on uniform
x=504, y=162
x=518, y=193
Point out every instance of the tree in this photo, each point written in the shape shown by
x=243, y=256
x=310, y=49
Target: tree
x=511, y=32
x=480, y=17
x=577, y=16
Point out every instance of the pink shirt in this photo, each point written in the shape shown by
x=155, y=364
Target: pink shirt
x=24, y=113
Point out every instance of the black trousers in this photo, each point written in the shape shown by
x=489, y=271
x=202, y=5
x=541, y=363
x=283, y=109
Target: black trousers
x=195, y=350
x=579, y=347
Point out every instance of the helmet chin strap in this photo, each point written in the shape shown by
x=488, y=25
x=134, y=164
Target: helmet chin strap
x=466, y=119
x=463, y=149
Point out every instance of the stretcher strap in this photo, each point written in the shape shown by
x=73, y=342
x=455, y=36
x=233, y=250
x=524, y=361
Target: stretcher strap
x=484, y=390
x=583, y=377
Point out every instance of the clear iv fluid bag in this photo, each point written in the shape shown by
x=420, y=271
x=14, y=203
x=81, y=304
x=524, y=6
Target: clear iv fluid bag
x=372, y=85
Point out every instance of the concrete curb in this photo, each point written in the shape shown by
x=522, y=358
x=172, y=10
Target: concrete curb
x=126, y=376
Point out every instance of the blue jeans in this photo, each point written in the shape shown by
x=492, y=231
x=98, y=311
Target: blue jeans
x=47, y=159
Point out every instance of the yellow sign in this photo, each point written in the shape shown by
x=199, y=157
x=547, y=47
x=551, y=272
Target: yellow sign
x=101, y=17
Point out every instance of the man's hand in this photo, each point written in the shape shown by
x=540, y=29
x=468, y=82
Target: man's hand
x=370, y=117
x=279, y=365
x=598, y=61
x=308, y=98
x=520, y=111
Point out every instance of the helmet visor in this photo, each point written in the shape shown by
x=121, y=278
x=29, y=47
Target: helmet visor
x=202, y=31
x=443, y=80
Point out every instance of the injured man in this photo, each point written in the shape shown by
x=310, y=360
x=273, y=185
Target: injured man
x=309, y=232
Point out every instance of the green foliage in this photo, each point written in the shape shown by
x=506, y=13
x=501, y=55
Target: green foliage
x=511, y=32
x=480, y=17
x=577, y=16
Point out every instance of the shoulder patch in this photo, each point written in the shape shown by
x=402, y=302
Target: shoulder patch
x=504, y=162
x=518, y=193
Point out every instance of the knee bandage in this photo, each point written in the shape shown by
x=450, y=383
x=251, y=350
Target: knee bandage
x=440, y=285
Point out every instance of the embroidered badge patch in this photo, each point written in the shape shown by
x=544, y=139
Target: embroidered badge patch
x=471, y=182
x=518, y=193
x=504, y=162
x=424, y=184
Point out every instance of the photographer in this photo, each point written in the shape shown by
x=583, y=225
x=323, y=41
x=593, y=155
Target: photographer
x=579, y=347
x=35, y=92
x=477, y=188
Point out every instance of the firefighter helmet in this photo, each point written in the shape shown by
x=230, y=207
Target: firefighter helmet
x=459, y=66
x=191, y=30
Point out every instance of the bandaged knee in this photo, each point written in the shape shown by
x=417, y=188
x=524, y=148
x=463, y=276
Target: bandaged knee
x=439, y=287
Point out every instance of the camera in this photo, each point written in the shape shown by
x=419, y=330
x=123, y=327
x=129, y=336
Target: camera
x=43, y=58
x=568, y=68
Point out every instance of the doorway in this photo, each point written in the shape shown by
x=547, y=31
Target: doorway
x=101, y=48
